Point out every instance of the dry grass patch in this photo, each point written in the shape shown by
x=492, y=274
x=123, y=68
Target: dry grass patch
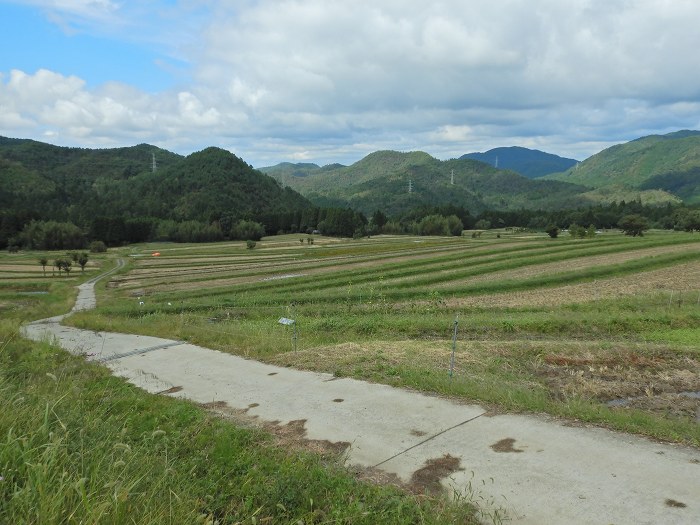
x=369, y=358
x=651, y=376
x=580, y=263
x=684, y=277
x=31, y=268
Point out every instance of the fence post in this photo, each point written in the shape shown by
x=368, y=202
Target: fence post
x=454, y=346
x=294, y=316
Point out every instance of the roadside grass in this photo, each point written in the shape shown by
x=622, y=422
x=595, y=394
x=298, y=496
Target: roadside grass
x=396, y=297
x=78, y=445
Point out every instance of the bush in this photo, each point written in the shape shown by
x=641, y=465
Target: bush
x=247, y=230
x=455, y=226
x=633, y=225
x=552, y=231
x=98, y=247
x=250, y=244
x=432, y=225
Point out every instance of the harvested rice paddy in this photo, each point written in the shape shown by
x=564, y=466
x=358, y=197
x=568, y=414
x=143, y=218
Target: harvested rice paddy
x=602, y=331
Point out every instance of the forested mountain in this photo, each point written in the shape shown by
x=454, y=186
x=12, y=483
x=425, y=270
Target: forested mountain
x=107, y=189
x=530, y=163
x=669, y=164
x=381, y=181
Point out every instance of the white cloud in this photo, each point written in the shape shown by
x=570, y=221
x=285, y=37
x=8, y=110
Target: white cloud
x=331, y=80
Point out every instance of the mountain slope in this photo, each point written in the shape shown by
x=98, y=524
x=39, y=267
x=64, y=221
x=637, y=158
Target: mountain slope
x=530, y=163
x=381, y=181
x=45, y=182
x=657, y=162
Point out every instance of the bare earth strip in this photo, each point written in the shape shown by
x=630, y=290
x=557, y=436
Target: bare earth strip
x=579, y=263
x=353, y=263
x=538, y=470
x=22, y=268
x=683, y=277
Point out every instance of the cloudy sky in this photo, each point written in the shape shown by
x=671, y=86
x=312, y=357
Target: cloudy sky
x=333, y=80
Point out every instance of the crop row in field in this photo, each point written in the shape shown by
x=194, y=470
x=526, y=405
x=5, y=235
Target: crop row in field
x=355, y=300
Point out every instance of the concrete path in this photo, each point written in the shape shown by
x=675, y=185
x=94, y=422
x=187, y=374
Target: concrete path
x=536, y=470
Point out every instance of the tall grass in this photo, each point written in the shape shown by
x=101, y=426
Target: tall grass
x=80, y=446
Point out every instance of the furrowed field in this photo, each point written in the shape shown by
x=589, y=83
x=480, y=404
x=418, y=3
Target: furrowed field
x=601, y=331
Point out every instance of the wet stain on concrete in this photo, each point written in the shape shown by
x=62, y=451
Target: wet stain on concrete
x=171, y=390
x=338, y=400
x=675, y=504
x=418, y=433
x=426, y=480
x=506, y=445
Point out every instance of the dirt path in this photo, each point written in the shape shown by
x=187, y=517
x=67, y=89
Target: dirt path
x=535, y=469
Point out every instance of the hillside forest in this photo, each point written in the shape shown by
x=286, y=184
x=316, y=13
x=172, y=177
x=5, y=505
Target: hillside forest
x=65, y=198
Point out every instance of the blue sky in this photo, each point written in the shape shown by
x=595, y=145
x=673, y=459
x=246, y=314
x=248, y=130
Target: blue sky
x=37, y=43
x=331, y=81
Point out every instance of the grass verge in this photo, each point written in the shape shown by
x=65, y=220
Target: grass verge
x=78, y=445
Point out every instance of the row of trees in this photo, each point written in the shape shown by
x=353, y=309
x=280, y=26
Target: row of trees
x=444, y=220
x=65, y=264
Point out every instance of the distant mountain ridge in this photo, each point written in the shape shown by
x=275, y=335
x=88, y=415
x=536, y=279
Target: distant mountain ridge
x=530, y=163
x=382, y=179
x=665, y=163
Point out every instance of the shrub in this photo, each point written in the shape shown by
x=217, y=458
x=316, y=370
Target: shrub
x=455, y=226
x=250, y=244
x=247, y=230
x=633, y=225
x=98, y=247
x=433, y=225
x=552, y=231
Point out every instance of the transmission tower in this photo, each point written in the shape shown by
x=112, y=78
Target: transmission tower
x=452, y=177
x=410, y=186
x=153, y=163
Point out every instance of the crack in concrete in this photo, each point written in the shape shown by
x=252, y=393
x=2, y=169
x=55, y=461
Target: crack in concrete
x=139, y=351
x=428, y=439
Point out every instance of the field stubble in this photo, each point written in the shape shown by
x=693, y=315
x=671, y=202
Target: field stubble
x=566, y=349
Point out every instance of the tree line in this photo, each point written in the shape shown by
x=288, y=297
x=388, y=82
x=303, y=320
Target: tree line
x=342, y=222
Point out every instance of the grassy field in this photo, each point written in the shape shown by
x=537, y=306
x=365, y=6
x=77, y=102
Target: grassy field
x=78, y=445
x=602, y=331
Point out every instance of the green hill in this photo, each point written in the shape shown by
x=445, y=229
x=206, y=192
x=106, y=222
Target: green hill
x=44, y=182
x=381, y=181
x=666, y=163
x=530, y=163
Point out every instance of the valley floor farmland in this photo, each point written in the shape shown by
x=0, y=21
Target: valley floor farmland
x=602, y=331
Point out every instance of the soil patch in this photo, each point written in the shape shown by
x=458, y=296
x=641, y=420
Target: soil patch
x=634, y=377
x=289, y=436
x=678, y=277
x=506, y=445
x=427, y=479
